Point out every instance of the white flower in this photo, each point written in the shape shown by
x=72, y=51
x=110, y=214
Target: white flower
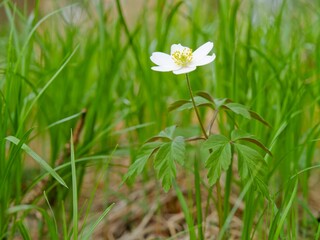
x=74, y=14
x=182, y=59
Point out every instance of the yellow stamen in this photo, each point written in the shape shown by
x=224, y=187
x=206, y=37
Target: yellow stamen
x=182, y=58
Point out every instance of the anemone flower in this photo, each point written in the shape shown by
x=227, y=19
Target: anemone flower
x=181, y=59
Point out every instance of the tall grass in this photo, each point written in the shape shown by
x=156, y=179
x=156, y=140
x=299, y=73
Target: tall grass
x=92, y=75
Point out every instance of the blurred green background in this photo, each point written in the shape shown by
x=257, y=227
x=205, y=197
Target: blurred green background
x=59, y=58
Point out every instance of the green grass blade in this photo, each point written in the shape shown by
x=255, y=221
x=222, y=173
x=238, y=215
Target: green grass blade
x=285, y=212
x=65, y=120
x=318, y=233
x=64, y=222
x=185, y=209
x=52, y=213
x=49, y=83
x=96, y=223
x=23, y=231
x=33, y=30
x=198, y=197
x=237, y=204
x=46, y=217
x=38, y=159
x=74, y=190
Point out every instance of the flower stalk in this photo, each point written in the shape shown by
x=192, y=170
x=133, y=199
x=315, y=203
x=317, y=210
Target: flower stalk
x=195, y=107
x=218, y=186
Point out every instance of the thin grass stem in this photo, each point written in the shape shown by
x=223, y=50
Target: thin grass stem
x=74, y=190
x=198, y=198
x=187, y=213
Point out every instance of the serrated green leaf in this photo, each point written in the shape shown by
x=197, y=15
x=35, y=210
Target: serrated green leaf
x=165, y=159
x=257, y=143
x=238, y=135
x=201, y=101
x=205, y=95
x=178, y=150
x=256, y=116
x=168, y=132
x=177, y=104
x=219, y=158
x=252, y=167
x=238, y=109
x=214, y=140
x=159, y=138
x=218, y=102
x=146, y=151
x=187, y=104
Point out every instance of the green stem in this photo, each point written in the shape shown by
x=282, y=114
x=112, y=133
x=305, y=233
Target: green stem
x=318, y=233
x=186, y=212
x=227, y=191
x=198, y=198
x=220, y=212
x=195, y=108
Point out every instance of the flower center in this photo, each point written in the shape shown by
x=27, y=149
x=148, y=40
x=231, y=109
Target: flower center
x=182, y=58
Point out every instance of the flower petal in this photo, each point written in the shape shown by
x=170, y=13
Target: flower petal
x=203, y=61
x=160, y=58
x=202, y=51
x=176, y=47
x=167, y=68
x=184, y=70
